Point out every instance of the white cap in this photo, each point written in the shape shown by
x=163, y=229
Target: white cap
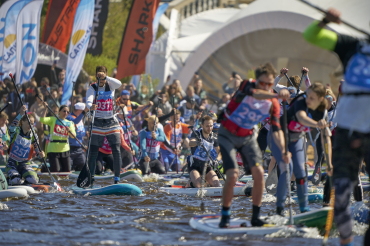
x=80, y=106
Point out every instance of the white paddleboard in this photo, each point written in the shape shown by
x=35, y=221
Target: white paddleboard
x=18, y=192
x=209, y=191
x=29, y=189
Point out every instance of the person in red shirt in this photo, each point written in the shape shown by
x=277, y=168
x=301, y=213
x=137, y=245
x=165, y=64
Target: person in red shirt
x=251, y=103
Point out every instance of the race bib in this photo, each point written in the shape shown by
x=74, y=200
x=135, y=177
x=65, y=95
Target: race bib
x=21, y=149
x=106, y=146
x=358, y=71
x=239, y=159
x=105, y=102
x=250, y=112
x=154, y=143
x=178, y=133
x=60, y=130
x=201, y=154
x=295, y=126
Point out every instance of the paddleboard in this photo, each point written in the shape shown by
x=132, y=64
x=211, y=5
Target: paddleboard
x=116, y=189
x=209, y=223
x=60, y=174
x=42, y=187
x=130, y=175
x=312, y=197
x=18, y=192
x=208, y=191
x=29, y=189
x=314, y=218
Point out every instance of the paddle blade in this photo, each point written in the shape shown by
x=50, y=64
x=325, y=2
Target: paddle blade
x=316, y=175
x=272, y=181
x=57, y=186
x=84, y=178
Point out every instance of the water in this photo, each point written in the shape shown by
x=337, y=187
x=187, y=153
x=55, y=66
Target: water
x=153, y=219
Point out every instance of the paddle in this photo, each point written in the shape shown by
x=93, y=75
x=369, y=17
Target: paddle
x=207, y=152
x=317, y=173
x=6, y=105
x=344, y=22
x=37, y=95
x=51, y=96
x=154, y=129
x=73, y=88
x=55, y=183
x=174, y=131
x=329, y=219
x=128, y=136
x=286, y=75
x=85, y=179
x=300, y=83
x=285, y=130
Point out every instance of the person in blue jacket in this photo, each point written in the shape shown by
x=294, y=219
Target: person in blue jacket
x=77, y=153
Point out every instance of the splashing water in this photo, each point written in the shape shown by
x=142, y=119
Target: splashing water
x=153, y=177
x=3, y=206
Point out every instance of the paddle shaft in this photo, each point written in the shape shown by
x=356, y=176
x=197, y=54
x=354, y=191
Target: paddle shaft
x=207, y=152
x=73, y=88
x=285, y=132
x=6, y=105
x=62, y=123
x=174, y=131
x=128, y=136
x=140, y=111
x=300, y=83
x=33, y=132
x=286, y=75
x=52, y=98
x=344, y=22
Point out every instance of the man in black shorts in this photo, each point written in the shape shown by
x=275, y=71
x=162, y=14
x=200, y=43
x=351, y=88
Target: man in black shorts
x=199, y=157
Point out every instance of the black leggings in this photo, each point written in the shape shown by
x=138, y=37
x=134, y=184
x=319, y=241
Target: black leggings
x=94, y=151
x=107, y=158
x=59, y=162
x=155, y=166
x=126, y=157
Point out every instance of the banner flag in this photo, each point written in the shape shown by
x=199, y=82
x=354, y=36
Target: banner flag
x=28, y=32
x=58, y=23
x=100, y=18
x=137, y=38
x=3, y=10
x=81, y=32
x=10, y=34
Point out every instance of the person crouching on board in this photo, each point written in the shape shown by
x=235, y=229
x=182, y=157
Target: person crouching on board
x=22, y=146
x=105, y=123
x=199, y=156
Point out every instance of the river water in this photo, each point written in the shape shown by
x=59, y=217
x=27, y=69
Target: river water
x=152, y=219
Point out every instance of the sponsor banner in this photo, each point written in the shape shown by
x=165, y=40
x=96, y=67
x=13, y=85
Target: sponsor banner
x=100, y=18
x=137, y=38
x=28, y=28
x=59, y=22
x=10, y=34
x=82, y=26
x=3, y=10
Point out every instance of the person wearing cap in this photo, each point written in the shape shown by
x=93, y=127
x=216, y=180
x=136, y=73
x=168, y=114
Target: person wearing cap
x=77, y=154
x=150, y=139
x=125, y=99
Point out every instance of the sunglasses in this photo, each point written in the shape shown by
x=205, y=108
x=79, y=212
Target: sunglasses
x=124, y=99
x=65, y=111
x=265, y=83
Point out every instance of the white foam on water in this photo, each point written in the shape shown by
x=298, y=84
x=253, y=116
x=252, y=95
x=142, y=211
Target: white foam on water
x=3, y=206
x=109, y=242
x=153, y=177
x=200, y=193
x=294, y=232
x=359, y=229
x=268, y=198
x=276, y=220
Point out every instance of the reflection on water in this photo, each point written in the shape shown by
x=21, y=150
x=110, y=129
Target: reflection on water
x=156, y=218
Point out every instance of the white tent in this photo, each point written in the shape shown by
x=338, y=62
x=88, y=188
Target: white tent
x=267, y=30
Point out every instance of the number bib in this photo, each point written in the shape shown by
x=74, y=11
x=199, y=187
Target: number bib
x=201, y=154
x=104, y=102
x=358, y=71
x=125, y=136
x=250, y=112
x=154, y=143
x=187, y=113
x=295, y=126
x=60, y=130
x=80, y=130
x=106, y=146
x=239, y=159
x=21, y=149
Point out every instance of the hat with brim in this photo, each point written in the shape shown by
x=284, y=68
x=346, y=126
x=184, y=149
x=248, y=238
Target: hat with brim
x=151, y=118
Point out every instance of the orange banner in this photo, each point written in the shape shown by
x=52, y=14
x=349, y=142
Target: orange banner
x=137, y=38
x=59, y=23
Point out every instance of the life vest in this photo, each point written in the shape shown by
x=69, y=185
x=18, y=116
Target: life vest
x=200, y=153
x=187, y=113
x=153, y=143
x=294, y=125
x=357, y=70
x=80, y=132
x=60, y=130
x=244, y=112
x=128, y=106
x=21, y=147
x=178, y=133
x=104, y=101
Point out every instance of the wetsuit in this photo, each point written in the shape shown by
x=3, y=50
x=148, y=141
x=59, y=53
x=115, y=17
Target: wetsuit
x=22, y=146
x=352, y=139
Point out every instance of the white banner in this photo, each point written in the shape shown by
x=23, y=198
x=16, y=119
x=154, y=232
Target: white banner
x=3, y=10
x=10, y=34
x=80, y=37
x=27, y=42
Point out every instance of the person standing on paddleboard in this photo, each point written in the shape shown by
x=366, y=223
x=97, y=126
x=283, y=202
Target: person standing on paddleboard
x=58, y=150
x=306, y=111
x=22, y=146
x=252, y=103
x=150, y=139
x=199, y=157
x=352, y=137
x=105, y=123
x=77, y=156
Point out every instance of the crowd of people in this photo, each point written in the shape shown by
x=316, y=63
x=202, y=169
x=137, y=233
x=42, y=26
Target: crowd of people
x=176, y=130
